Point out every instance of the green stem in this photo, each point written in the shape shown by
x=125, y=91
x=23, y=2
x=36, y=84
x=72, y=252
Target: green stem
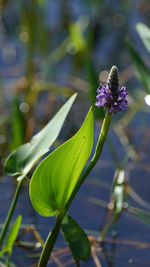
x=108, y=226
x=77, y=263
x=49, y=244
x=10, y=213
x=8, y=259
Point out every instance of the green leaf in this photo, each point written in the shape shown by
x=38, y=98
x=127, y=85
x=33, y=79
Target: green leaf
x=2, y=252
x=76, y=239
x=22, y=159
x=118, y=191
x=141, y=69
x=144, y=33
x=55, y=178
x=12, y=236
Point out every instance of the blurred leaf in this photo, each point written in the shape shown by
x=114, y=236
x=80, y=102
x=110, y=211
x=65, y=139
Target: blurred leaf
x=32, y=18
x=40, y=2
x=76, y=239
x=142, y=215
x=10, y=264
x=41, y=41
x=141, y=69
x=18, y=125
x=144, y=33
x=22, y=159
x=93, y=85
x=55, y=178
x=12, y=236
x=2, y=264
x=77, y=33
x=3, y=119
x=118, y=191
x=93, y=2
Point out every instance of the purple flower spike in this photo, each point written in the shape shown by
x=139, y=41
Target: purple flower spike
x=110, y=96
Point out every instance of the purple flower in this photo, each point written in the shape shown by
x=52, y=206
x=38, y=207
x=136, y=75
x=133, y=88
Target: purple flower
x=106, y=99
x=110, y=96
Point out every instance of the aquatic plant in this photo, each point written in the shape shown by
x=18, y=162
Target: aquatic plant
x=58, y=178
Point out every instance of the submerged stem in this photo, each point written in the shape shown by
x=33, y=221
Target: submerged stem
x=49, y=244
x=10, y=212
x=108, y=226
x=8, y=259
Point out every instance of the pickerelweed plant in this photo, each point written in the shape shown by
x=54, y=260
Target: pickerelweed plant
x=60, y=175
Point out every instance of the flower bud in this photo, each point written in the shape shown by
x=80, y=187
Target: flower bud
x=112, y=82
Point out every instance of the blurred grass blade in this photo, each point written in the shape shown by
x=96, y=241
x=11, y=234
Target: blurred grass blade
x=55, y=178
x=93, y=85
x=77, y=29
x=11, y=236
x=2, y=264
x=17, y=124
x=10, y=264
x=144, y=33
x=76, y=239
x=40, y=2
x=142, y=215
x=22, y=159
x=141, y=69
x=118, y=191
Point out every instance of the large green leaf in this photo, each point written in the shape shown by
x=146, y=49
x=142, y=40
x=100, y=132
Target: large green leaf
x=144, y=33
x=76, y=239
x=11, y=236
x=22, y=159
x=141, y=69
x=55, y=178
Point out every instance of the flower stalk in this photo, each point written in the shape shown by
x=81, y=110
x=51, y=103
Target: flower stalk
x=50, y=242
